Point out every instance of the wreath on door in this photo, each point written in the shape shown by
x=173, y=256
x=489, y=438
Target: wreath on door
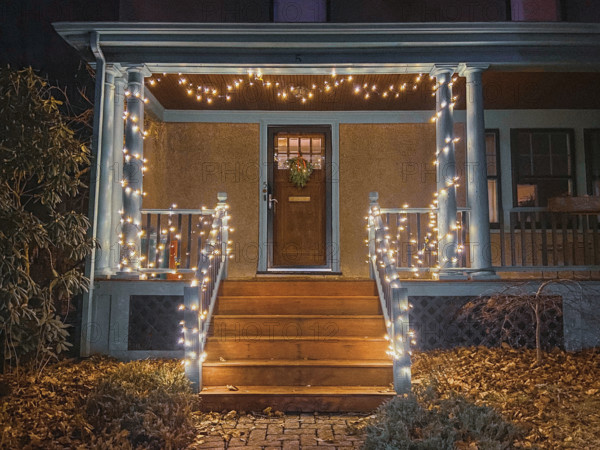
x=300, y=170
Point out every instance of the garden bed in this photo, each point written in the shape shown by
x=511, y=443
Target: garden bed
x=100, y=401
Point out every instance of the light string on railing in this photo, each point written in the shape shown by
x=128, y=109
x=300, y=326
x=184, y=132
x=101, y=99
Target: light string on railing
x=193, y=335
x=284, y=92
x=382, y=257
x=429, y=244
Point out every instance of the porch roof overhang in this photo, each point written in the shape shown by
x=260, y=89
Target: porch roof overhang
x=349, y=48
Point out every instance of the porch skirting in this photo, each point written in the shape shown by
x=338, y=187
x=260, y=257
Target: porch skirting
x=140, y=319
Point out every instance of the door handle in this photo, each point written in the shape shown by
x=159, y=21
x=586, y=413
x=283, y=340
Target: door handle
x=272, y=203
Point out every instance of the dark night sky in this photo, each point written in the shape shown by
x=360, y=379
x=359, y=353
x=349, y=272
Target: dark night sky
x=27, y=36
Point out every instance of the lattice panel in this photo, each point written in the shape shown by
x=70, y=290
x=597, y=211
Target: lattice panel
x=154, y=322
x=438, y=325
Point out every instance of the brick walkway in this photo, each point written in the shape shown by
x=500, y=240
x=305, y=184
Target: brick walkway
x=290, y=431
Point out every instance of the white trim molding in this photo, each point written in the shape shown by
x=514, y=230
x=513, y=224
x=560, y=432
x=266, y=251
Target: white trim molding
x=348, y=48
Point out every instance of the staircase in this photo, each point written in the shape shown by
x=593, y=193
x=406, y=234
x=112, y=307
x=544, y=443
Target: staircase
x=297, y=346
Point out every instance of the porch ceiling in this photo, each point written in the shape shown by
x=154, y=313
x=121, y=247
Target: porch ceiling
x=502, y=90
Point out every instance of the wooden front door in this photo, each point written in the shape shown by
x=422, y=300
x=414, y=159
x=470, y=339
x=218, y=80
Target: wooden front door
x=298, y=214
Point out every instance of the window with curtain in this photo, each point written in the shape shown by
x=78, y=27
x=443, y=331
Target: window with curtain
x=543, y=166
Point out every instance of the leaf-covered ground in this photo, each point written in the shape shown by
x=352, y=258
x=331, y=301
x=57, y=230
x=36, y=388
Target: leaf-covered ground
x=557, y=402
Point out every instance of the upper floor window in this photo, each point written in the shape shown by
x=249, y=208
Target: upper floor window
x=300, y=10
x=543, y=165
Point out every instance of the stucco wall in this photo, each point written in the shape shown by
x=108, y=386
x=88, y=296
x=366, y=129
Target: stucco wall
x=188, y=163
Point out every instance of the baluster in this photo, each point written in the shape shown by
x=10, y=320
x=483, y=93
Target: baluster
x=168, y=245
x=533, y=239
x=180, y=240
x=409, y=255
x=188, y=258
x=584, y=219
x=523, y=249
x=398, y=240
x=502, y=250
x=418, y=225
x=158, y=234
x=565, y=238
x=464, y=226
x=200, y=230
x=512, y=225
x=574, y=236
x=146, y=255
x=596, y=239
x=554, y=239
x=544, y=238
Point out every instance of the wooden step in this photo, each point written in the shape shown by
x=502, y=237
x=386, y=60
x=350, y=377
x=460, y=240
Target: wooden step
x=297, y=348
x=303, y=288
x=297, y=304
x=295, y=398
x=298, y=372
x=315, y=326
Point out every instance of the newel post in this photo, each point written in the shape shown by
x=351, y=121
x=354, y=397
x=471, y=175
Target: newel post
x=373, y=205
x=191, y=336
x=401, y=336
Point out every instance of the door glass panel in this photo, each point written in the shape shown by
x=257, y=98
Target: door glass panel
x=316, y=145
x=294, y=144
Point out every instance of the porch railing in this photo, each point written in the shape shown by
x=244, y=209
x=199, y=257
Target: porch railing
x=172, y=240
x=393, y=297
x=537, y=238
x=414, y=237
x=534, y=239
x=200, y=297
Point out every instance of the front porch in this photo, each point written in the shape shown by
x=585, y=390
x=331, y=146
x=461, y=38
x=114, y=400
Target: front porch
x=455, y=193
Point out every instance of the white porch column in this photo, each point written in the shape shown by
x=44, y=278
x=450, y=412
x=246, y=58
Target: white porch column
x=133, y=172
x=477, y=189
x=117, y=170
x=446, y=171
x=104, y=218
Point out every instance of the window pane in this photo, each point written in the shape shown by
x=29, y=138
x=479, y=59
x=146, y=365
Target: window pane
x=527, y=195
x=490, y=150
x=553, y=188
x=493, y=200
x=524, y=153
x=561, y=161
x=540, y=149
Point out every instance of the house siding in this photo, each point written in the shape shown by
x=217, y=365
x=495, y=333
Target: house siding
x=188, y=163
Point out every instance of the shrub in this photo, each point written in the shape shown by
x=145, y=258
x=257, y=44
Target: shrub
x=150, y=402
x=42, y=239
x=424, y=421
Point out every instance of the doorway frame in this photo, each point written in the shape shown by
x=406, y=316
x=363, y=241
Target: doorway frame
x=333, y=234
